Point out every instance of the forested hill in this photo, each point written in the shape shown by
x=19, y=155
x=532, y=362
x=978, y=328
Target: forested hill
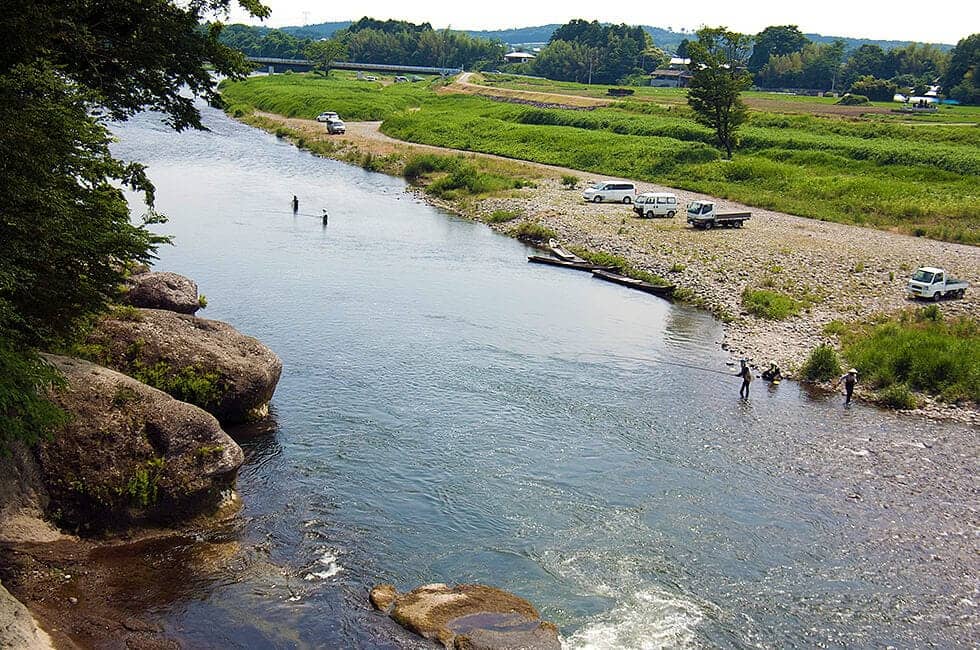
x=665, y=39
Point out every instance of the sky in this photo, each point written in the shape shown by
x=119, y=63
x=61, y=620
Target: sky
x=939, y=21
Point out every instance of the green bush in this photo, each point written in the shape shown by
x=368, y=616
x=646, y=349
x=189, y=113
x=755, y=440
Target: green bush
x=850, y=99
x=821, y=365
x=922, y=351
x=769, y=304
x=188, y=384
x=569, y=181
x=898, y=396
x=533, y=233
x=503, y=216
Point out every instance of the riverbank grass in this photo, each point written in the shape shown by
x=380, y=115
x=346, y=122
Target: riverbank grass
x=921, y=350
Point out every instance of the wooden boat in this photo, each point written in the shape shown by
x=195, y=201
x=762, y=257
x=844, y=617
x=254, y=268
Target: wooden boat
x=662, y=290
x=554, y=261
x=562, y=254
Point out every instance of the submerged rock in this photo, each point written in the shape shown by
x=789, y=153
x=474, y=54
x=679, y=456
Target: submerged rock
x=131, y=453
x=203, y=362
x=470, y=617
x=162, y=290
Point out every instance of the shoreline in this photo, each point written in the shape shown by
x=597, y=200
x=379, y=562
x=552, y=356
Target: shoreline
x=839, y=272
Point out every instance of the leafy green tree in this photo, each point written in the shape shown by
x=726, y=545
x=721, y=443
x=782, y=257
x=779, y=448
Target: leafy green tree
x=65, y=229
x=600, y=53
x=962, y=78
x=323, y=54
x=682, y=49
x=718, y=60
x=866, y=61
x=777, y=40
x=877, y=90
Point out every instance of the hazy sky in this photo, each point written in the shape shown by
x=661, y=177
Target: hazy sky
x=944, y=21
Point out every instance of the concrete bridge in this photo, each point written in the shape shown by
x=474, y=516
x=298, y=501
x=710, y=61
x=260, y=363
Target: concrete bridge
x=273, y=65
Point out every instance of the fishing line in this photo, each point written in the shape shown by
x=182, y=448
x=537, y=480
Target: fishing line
x=650, y=360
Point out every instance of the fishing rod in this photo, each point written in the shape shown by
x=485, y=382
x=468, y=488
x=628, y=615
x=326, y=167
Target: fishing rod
x=651, y=360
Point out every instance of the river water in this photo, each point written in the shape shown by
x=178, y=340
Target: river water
x=449, y=413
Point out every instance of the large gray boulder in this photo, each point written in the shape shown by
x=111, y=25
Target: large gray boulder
x=162, y=290
x=18, y=629
x=203, y=362
x=468, y=617
x=130, y=453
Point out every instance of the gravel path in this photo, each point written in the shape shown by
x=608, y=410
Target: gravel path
x=848, y=272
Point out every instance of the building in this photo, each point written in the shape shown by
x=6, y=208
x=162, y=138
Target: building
x=665, y=78
x=518, y=57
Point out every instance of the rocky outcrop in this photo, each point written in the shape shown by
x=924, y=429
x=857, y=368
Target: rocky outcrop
x=23, y=499
x=130, y=453
x=470, y=617
x=162, y=290
x=203, y=362
x=18, y=628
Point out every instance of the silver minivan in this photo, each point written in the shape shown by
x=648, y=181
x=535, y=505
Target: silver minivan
x=655, y=204
x=616, y=191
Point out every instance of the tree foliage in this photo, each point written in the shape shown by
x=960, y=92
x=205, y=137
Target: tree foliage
x=877, y=90
x=589, y=52
x=777, y=40
x=962, y=78
x=400, y=42
x=718, y=60
x=816, y=66
x=324, y=53
x=65, y=229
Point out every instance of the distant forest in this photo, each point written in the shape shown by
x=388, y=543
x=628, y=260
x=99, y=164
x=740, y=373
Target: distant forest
x=593, y=52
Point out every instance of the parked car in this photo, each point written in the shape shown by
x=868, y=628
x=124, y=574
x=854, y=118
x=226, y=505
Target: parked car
x=370, y=77
x=400, y=79
x=415, y=78
x=930, y=282
x=655, y=204
x=327, y=116
x=336, y=126
x=616, y=191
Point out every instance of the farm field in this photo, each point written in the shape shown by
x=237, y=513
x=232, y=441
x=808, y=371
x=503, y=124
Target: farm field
x=917, y=178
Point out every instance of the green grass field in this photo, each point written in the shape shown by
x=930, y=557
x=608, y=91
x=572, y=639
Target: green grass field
x=917, y=178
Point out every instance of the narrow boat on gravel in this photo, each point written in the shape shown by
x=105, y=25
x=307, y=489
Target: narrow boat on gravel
x=580, y=266
x=662, y=290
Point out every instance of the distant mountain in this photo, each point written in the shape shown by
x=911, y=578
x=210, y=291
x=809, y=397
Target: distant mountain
x=518, y=35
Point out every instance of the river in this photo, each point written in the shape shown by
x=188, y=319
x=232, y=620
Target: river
x=449, y=413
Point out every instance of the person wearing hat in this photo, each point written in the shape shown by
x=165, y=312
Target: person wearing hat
x=849, y=380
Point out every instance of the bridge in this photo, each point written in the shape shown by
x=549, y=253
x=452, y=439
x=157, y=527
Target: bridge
x=273, y=65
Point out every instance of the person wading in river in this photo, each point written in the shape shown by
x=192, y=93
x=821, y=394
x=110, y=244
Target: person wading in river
x=849, y=380
x=746, y=374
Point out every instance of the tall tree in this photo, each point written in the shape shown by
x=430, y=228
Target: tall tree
x=962, y=78
x=718, y=60
x=65, y=228
x=777, y=40
x=323, y=54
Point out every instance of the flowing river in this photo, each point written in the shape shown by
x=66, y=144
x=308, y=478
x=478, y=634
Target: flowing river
x=449, y=413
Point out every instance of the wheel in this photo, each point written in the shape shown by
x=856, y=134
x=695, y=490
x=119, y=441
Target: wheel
x=627, y=200
x=707, y=225
x=738, y=224
x=597, y=199
x=649, y=215
x=670, y=214
x=936, y=297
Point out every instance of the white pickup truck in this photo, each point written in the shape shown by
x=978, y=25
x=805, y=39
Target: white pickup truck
x=930, y=282
x=702, y=214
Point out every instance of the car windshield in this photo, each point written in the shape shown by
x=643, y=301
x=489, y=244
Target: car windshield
x=923, y=276
x=597, y=186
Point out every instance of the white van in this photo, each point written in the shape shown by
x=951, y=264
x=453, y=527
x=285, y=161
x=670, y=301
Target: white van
x=655, y=204
x=610, y=191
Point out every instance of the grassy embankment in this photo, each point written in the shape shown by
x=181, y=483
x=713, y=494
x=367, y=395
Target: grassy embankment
x=915, y=350
x=912, y=178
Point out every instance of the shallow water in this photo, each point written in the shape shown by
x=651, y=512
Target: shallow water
x=450, y=413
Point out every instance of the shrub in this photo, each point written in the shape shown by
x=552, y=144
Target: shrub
x=834, y=328
x=202, y=301
x=569, y=181
x=878, y=90
x=850, y=99
x=822, y=364
x=677, y=267
x=533, y=232
x=503, y=216
x=770, y=305
x=898, y=396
